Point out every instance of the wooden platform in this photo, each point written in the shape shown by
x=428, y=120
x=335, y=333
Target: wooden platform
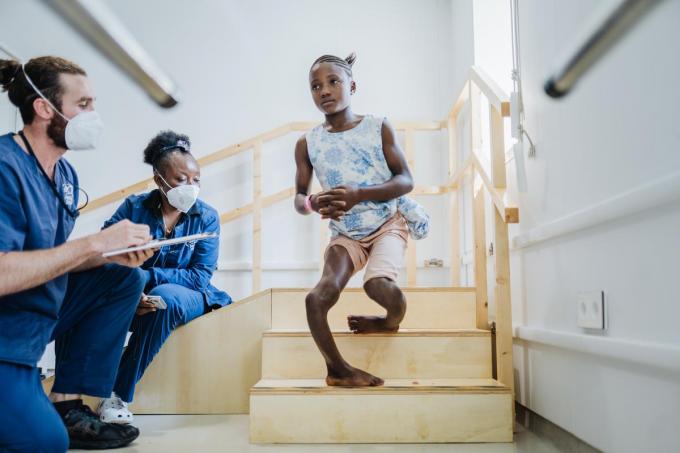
x=402, y=411
x=257, y=355
x=437, y=371
x=411, y=353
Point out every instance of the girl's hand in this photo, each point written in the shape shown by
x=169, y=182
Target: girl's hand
x=332, y=213
x=328, y=210
x=341, y=197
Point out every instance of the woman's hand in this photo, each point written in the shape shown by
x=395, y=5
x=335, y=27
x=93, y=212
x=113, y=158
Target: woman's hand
x=145, y=306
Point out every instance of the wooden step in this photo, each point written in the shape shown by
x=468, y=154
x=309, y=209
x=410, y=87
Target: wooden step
x=401, y=411
x=291, y=354
x=427, y=308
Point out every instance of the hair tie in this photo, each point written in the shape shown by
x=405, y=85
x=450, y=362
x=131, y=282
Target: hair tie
x=14, y=76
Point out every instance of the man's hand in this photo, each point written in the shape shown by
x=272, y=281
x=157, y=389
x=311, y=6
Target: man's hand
x=145, y=306
x=121, y=235
x=133, y=259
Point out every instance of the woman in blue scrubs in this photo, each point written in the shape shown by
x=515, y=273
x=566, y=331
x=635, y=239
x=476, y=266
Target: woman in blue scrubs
x=179, y=274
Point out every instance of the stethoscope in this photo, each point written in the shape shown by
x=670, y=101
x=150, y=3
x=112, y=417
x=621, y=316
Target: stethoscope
x=53, y=185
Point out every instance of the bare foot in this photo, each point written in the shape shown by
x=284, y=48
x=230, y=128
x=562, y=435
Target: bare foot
x=353, y=377
x=369, y=324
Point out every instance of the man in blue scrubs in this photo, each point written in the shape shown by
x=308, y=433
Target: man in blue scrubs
x=51, y=288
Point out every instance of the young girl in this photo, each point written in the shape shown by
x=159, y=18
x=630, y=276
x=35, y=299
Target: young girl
x=364, y=174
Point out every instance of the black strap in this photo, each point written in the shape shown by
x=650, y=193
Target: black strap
x=52, y=184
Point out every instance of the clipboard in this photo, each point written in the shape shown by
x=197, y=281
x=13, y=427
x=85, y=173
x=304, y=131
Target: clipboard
x=155, y=244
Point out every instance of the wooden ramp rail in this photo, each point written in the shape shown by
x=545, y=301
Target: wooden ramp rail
x=478, y=83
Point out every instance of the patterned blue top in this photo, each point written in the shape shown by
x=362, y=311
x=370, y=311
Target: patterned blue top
x=355, y=157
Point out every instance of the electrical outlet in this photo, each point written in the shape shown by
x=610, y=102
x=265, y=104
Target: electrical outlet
x=434, y=262
x=590, y=307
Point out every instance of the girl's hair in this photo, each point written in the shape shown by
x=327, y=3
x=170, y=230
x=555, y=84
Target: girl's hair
x=44, y=72
x=345, y=64
x=163, y=145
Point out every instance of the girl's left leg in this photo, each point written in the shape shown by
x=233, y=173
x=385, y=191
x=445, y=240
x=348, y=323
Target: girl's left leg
x=382, y=270
x=150, y=331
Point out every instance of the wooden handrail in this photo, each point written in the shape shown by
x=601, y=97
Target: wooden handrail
x=289, y=192
x=495, y=185
x=238, y=148
x=208, y=159
x=507, y=213
x=491, y=90
x=460, y=102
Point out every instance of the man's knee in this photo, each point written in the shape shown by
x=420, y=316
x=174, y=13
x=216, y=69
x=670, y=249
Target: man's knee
x=127, y=279
x=137, y=279
x=52, y=439
x=323, y=297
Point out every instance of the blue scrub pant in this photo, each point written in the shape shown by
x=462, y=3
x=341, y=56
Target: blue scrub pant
x=150, y=331
x=28, y=421
x=93, y=323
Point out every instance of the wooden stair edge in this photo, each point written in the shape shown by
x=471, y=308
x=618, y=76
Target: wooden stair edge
x=282, y=333
x=452, y=289
x=392, y=386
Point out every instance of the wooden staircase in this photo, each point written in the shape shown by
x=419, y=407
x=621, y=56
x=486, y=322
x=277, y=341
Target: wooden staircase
x=257, y=354
x=437, y=370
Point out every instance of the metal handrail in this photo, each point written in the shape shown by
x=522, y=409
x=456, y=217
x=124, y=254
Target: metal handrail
x=622, y=19
x=101, y=27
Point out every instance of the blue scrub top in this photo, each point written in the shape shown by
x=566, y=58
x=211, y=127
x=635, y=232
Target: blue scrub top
x=32, y=218
x=190, y=264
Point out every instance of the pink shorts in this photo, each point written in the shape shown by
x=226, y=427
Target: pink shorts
x=381, y=252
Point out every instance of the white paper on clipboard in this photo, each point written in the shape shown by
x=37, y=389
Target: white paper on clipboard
x=155, y=244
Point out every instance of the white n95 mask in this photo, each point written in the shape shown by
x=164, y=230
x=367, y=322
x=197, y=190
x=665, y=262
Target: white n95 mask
x=181, y=198
x=82, y=131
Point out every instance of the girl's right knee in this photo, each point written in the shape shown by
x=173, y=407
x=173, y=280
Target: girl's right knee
x=323, y=297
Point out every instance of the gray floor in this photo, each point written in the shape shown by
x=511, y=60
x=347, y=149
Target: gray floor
x=229, y=433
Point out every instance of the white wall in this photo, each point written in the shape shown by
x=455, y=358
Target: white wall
x=463, y=40
x=616, y=131
x=242, y=68
x=493, y=44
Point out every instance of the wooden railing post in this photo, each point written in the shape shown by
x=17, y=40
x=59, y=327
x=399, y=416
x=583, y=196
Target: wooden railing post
x=453, y=201
x=479, y=223
x=411, y=256
x=257, y=216
x=501, y=257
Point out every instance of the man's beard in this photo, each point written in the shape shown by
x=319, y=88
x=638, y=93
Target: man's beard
x=56, y=130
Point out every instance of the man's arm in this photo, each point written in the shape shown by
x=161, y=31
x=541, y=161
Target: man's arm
x=401, y=182
x=27, y=269
x=123, y=212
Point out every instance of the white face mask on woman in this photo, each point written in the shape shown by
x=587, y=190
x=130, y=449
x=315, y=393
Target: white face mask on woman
x=82, y=131
x=181, y=197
